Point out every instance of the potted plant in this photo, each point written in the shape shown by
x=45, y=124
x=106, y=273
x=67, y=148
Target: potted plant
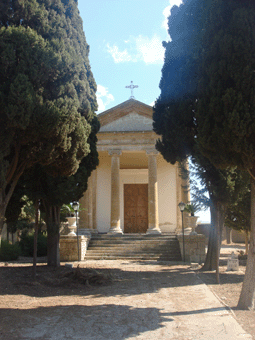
x=68, y=214
x=191, y=220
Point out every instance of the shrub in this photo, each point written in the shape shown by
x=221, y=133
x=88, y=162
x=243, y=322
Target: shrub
x=27, y=244
x=9, y=252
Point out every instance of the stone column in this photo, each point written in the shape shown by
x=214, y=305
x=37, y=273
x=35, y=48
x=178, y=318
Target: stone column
x=86, y=205
x=90, y=203
x=115, y=192
x=185, y=189
x=83, y=214
x=94, y=201
x=153, y=227
x=185, y=194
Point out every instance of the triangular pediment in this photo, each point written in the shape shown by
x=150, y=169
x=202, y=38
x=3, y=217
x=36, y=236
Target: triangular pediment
x=130, y=115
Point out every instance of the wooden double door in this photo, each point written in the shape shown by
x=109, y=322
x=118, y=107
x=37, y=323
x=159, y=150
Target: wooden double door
x=135, y=208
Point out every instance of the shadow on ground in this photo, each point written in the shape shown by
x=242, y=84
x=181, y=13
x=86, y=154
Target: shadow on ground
x=87, y=322
x=18, y=280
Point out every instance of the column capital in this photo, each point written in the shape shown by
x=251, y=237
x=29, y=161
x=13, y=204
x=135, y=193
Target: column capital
x=152, y=151
x=114, y=152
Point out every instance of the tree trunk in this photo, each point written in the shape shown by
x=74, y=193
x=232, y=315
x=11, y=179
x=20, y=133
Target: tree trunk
x=53, y=224
x=229, y=235
x=246, y=242
x=5, y=195
x=3, y=207
x=35, y=238
x=214, y=242
x=247, y=296
x=210, y=261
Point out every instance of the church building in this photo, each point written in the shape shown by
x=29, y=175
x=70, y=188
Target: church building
x=133, y=190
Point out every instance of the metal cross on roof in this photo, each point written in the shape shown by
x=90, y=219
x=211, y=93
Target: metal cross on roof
x=132, y=87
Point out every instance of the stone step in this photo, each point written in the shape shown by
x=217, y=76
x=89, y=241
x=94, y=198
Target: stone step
x=134, y=238
x=137, y=257
x=121, y=251
x=134, y=247
x=121, y=248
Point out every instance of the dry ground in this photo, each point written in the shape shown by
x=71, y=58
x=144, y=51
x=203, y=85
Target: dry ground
x=54, y=287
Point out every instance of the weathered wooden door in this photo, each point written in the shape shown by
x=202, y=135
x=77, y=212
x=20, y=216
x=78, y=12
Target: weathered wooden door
x=135, y=208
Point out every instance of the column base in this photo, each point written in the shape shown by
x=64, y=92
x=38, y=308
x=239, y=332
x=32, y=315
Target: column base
x=84, y=231
x=153, y=231
x=94, y=231
x=115, y=231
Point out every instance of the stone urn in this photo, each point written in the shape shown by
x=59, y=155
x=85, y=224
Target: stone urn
x=191, y=223
x=72, y=225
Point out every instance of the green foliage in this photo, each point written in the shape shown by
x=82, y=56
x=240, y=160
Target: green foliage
x=47, y=90
x=192, y=208
x=226, y=106
x=210, y=115
x=238, y=213
x=206, y=107
x=27, y=244
x=47, y=103
x=9, y=252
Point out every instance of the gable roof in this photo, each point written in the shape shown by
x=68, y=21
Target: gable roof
x=124, y=109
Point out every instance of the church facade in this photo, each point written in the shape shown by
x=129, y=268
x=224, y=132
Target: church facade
x=133, y=190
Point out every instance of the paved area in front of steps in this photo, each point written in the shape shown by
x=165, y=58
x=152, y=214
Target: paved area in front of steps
x=147, y=301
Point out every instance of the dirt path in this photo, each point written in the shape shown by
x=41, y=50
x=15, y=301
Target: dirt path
x=145, y=300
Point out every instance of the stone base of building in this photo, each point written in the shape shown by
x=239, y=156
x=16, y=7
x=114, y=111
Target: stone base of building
x=194, y=247
x=68, y=247
x=115, y=231
x=153, y=231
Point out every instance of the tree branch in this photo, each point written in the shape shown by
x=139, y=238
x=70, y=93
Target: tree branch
x=13, y=165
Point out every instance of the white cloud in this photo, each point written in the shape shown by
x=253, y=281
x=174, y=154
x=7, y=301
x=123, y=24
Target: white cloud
x=151, y=50
x=141, y=48
x=104, y=98
x=153, y=103
x=166, y=11
x=119, y=56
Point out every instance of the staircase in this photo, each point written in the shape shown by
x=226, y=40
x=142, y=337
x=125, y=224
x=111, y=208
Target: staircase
x=134, y=247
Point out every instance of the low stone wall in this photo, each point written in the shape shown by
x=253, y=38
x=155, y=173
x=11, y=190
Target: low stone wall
x=68, y=247
x=194, y=247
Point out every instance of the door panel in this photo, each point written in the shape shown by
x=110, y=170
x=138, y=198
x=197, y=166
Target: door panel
x=135, y=208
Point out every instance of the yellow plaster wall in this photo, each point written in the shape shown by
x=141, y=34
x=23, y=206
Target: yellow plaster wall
x=104, y=192
x=167, y=199
x=166, y=189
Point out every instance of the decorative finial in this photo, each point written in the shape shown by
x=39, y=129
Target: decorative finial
x=132, y=87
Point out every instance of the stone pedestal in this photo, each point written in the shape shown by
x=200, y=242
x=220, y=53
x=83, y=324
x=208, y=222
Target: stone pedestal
x=233, y=263
x=153, y=227
x=68, y=248
x=115, y=192
x=194, y=246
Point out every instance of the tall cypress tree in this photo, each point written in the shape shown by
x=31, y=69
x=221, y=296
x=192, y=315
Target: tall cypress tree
x=225, y=111
x=56, y=191
x=47, y=90
x=221, y=125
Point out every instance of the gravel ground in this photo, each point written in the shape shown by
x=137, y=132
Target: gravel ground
x=129, y=297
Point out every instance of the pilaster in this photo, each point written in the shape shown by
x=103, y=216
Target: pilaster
x=153, y=227
x=115, y=192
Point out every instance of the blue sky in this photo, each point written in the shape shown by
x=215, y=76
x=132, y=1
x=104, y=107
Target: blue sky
x=125, y=39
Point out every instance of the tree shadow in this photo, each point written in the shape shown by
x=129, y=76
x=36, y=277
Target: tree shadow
x=98, y=322
x=18, y=280
x=125, y=282
x=225, y=278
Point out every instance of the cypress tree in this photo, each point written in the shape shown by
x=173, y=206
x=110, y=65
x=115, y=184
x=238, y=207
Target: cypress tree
x=53, y=192
x=177, y=111
x=225, y=111
x=47, y=90
x=222, y=124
